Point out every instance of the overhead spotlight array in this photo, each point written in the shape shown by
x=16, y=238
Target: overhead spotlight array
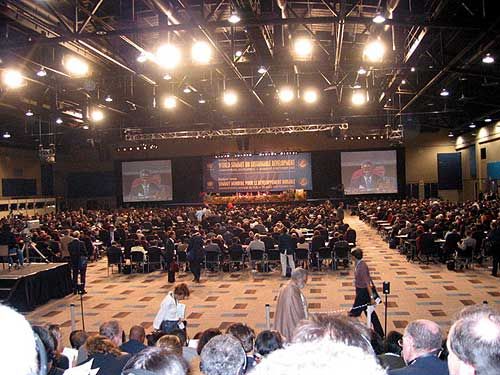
x=140, y=147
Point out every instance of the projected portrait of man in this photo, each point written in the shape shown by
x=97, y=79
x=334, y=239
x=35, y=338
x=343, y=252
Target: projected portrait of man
x=146, y=186
x=365, y=178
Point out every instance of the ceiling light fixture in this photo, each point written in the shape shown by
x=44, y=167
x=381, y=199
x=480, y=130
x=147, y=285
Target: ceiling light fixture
x=201, y=52
x=487, y=119
x=59, y=121
x=170, y=102
x=310, y=96
x=403, y=81
x=142, y=58
x=201, y=100
x=187, y=90
x=230, y=98
x=356, y=85
x=29, y=113
x=488, y=59
x=86, y=127
x=374, y=51
x=303, y=47
x=262, y=70
x=358, y=97
x=444, y=93
x=41, y=73
x=108, y=98
x=234, y=18
x=97, y=115
x=286, y=94
x=362, y=71
x=167, y=77
x=6, y=135
x=76, y=66
x=450, y=134
x=168, y=56
x=472, y=125
x=12, y=78
x=413, y=69
x=238, y=53
x=379, y=18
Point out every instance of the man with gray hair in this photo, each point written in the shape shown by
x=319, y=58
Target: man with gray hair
x=422, y=342
x=474, y=342
x=223, y=355
x=291, y=307
x=113, y=331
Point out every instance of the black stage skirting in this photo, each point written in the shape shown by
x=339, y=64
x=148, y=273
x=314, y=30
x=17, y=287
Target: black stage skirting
x=36, y=284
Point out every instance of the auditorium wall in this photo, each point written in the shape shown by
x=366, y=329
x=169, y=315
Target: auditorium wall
x=20, y=164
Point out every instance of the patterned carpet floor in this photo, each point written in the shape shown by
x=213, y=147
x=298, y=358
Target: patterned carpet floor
x=417, y=291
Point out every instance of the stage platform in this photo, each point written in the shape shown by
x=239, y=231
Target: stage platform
x=34, y=284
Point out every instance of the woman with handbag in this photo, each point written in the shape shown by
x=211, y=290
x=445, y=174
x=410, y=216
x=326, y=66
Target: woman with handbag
x=365, y=291
x=168, y=318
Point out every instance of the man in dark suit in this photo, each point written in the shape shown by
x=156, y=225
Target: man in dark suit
x=422, y=342
x=146, y=189
x=368, y=180
x=286, y=246
x=136, y=340
x=78, y=259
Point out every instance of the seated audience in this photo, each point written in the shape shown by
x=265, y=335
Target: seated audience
x=223, y=355
x=171, y=344
x=266, y=343
x=391, y=359
x=106, y=355
x=135, y=343
x=155, y=361
x=49, y=344
x=246, y=336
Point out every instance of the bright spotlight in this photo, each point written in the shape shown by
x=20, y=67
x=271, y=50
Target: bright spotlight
x=230, y=98
x=444, y=93
x=187, y=90
x=487, y=119
x=303, y=47
x=170, y=102
x=167, y=77
x=286, y=94
x=97, y=115
x=76, y=66
x=86, y=127
x=238, y=53
x=358, y=97
x=201, y=52
x=362, y=71
x=262, y=70
x=310, y=96
x=374, y=51
x=168, y=56
x=59, y=121
x=379, y=18
x=488, y=59
x=41, y=73
x=12, y=78
x=6, y=135
x=29, y=113
x=472, y=125
x=234, y=18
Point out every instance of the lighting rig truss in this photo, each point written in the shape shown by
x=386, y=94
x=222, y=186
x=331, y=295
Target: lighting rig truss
x=286, y=129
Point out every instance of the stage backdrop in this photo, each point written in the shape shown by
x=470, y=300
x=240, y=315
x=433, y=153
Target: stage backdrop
x=147, y=181
x=257, y=173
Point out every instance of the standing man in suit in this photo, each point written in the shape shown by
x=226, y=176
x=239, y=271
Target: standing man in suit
x=286, y=246
x=78, y=259
x=422, y=342
x=195, y=255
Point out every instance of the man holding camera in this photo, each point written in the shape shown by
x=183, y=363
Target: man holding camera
x=78, y=259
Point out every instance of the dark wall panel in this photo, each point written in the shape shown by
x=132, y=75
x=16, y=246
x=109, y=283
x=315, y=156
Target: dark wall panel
x=187, y=178
x=449, y=171
x=18, y=187
x=326, y=176
x=91, y=184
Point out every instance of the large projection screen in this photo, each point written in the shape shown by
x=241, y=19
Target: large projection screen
x=273, y=172
x=369, y=172
x=147, y=181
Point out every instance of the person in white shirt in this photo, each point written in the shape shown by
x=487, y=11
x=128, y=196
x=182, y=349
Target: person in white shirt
x=168, y=318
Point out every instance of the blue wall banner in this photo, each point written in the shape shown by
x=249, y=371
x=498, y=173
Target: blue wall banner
x=493, y=170
x=254, y=173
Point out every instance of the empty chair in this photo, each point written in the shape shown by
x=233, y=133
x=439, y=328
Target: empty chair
x=154, y=258
x=137, y=259
x=324, y=254
x=341, y=253
x=256, y=256
x=273, y=257
x=212, y=260
x=114, y=259
x=302, y=257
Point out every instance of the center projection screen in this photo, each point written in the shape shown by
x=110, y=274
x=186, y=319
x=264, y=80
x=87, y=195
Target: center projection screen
x=147, y=181
x=257, y=173
x=369, y=172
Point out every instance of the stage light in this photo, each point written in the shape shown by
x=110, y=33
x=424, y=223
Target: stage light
x=201, y=52
x=86, y=127
x=201, y=100
x=450, y=134
x=310, y=96
x=230, y=98
x=6, y=135
x=170, y=102
x=374, y=51
x=444, y=93
x=59, y=121
x=12, y=78
x=413, y=69
x=238, y=53
x=187, y=90
x=234, y=18
x=472, y=125
x=403, y=81
x=97, y=115
x=29, y=113
x=286, y=94
x=108, y=98
x=303, y=47
x=358, y=97
x=262, y=70
x=168, y=56
x=487, y=119
x=488, y=59
x=379, y=18
x=76, y=66
x=41, y=73
x=167, y=77
x=362, y=71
